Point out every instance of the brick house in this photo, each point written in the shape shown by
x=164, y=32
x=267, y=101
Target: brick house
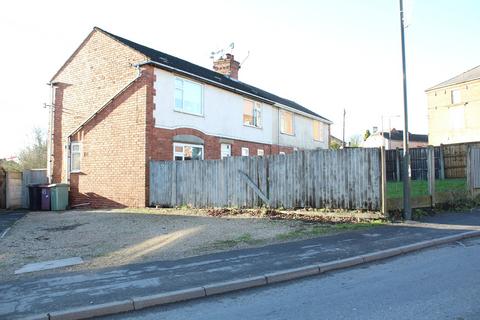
x=119, y=104
x=454, y=109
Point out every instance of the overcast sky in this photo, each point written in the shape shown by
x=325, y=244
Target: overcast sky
x=327, y=55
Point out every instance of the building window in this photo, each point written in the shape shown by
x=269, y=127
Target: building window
x=286, y=122
x=252, y=113
x=245, y=152
x=456, y=96
x=225, y=150
x=75, y=156
x=317, y=131
x=188, y=96
x=182, y=151
x=457, y=117
x=260, y=152
x=281, y=153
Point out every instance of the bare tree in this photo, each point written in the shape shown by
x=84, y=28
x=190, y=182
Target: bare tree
x=35, y=155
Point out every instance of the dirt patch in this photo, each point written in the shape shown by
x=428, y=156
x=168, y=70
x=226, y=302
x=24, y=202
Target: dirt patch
x=64, y=228
x=117, y=237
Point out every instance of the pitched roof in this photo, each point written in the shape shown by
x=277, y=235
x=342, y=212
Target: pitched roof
x=170, y=61
x=397, y=135
x=469, y=75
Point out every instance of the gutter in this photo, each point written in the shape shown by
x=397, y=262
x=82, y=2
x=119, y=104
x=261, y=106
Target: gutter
x=217, y=84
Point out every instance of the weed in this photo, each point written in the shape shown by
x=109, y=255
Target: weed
x=318, y=230
x=245, y=238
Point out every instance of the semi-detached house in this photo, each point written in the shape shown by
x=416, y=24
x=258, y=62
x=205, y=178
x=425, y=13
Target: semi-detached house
x=118, y=105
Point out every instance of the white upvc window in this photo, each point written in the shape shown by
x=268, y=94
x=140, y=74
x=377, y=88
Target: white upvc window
x=260, y=152
x=183, y=151
x=225, y=150
x=188, y=96
x=286, y=122
x=75, y=156
x=456, y=96
x=317, y=131
x=252, y=113
x=245, y=152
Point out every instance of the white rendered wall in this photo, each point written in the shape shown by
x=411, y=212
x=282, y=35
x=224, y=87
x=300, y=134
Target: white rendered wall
x=223, y=117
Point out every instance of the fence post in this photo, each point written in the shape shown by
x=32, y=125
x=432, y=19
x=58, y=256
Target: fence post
x=383, y=177
x=431, y=173
x=397, y=164
x=174, y=184
x=469, y=171
x=442, y=164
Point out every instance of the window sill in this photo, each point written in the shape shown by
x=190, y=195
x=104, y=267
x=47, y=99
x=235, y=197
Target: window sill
x=201, y=115
x=288, y=134
x=76, y=171
x=250, y=126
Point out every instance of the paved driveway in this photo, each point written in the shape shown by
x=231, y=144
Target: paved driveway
x=7, y=219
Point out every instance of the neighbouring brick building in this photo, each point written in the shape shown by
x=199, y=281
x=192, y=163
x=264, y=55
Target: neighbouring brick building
x=118, y=105
x=454, y=109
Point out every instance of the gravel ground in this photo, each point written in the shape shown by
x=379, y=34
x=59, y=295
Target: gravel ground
x=116, y=237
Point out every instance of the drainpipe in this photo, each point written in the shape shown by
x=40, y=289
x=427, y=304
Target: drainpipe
x=67, y=166
x=51, y=119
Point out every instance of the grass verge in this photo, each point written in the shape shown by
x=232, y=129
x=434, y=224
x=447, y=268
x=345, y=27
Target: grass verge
x=420, y=187
x=319, y=230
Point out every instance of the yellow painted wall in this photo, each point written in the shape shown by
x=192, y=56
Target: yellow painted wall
x=445, y=123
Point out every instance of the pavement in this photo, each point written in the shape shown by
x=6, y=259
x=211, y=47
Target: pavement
x=7, y=219
x=77, y=295
x=439, y=283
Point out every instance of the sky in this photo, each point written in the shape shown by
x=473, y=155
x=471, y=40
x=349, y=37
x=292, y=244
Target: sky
x=326, y=54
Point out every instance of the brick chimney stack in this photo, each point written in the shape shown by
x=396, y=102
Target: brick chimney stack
x=227, y=65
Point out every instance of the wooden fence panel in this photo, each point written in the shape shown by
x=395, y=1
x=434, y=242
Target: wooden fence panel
x=455, y=159
x=29, y=177
x=418, y=163
x=348, y=178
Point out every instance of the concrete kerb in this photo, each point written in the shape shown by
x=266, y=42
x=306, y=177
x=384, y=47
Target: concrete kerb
x=236, y=285
x=93, y=311
x=168, y=297
x=290, y=274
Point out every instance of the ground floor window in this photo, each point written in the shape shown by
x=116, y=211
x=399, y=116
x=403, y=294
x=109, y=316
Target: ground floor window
x=182, y=151
x=225, y=150
x=260, y=152
x=75, y=156
x=245, y=152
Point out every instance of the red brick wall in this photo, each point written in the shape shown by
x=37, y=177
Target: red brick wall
x=161, y=144
x=113, y=169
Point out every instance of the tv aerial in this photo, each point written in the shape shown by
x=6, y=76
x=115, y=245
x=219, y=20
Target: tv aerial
x=221, y=52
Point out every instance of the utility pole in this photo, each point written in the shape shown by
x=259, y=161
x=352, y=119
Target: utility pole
x=343, y=138
x=407, y=210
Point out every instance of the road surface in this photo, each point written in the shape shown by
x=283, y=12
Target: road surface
x=440, y=283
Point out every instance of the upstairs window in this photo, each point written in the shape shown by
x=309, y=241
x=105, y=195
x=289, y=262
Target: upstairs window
x=188, y=96
x=286, y=122
x=456, y=96
x=183, y=151
x=317, y=131
x=252, y=113
x=75, y=156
